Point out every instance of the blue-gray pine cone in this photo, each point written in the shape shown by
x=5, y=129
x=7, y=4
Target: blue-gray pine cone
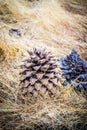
x=74, y=67
x=39, y=75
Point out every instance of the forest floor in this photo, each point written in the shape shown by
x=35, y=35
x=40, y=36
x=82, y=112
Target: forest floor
x=58, y=26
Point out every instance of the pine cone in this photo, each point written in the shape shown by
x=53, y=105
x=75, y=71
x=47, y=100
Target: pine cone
x=73, y=67
x=39, y=74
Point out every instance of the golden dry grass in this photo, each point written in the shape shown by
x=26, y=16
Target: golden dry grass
x=46, y=24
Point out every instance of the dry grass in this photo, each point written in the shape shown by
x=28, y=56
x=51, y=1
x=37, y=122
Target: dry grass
x=47, y=24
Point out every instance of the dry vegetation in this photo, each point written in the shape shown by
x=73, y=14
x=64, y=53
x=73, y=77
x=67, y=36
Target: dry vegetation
x=58, y=26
